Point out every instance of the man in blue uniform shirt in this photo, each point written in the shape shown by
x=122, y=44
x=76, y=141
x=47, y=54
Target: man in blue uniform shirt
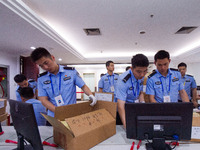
x=130, y=84
x=188, y=83
x=27, y=96
x=22, y=81
x=57, y=86
x=164, y=84
x=108, y=82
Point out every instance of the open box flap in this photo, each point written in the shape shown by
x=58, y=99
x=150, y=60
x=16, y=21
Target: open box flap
x=72, y=110
x=57, y=124
x=90, y=121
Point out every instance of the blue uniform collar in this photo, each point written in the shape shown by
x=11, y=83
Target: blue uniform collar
x=183, y=76
x=61, y=69
x=109, y=75
x=133, y=77
x=160, y=75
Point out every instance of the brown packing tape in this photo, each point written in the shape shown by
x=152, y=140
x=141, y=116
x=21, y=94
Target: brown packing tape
x=57, y=124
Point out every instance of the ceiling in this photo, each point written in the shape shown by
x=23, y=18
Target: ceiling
x=58, y=26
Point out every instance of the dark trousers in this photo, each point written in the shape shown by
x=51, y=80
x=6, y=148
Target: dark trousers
x=118, y=119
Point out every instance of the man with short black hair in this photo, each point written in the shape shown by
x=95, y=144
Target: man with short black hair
x=57, y=86
x=22, y=81
x=130, y=84
x=27, y=96
x=189, y=84
x=164, y=84
x=108, y=82
x=128, y=67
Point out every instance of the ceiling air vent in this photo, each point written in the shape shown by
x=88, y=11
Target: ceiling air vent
x=92, y=31
x=185, y=30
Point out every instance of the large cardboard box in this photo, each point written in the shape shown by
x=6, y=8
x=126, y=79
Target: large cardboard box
x=195, y=136
x=87, y=126
x=3, y=104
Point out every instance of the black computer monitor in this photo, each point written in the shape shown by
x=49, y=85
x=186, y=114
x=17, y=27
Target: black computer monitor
x=159, y=122
x=25, y=124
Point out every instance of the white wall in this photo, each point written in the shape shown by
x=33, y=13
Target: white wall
x=12, y=61
x=98, y=69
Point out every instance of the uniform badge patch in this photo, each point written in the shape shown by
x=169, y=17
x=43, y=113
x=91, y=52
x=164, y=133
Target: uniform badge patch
x=130, y=88
x=157, y=82
x=67, y=78
x=187, y=80
x=47, y=82
x=175, y=79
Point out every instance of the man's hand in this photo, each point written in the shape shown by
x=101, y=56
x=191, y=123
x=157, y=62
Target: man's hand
x=94, y=101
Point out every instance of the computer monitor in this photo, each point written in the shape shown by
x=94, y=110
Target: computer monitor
x=25, y=124
x=159, y=122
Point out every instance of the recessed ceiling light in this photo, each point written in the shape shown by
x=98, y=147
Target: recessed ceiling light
x=32, y=47
x=92, y=31
x=60, y=59
x=142, y=32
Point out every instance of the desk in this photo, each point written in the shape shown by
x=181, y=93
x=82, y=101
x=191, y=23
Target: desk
x=116, y=142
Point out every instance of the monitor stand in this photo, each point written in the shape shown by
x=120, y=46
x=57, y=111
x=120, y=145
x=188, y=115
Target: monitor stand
x=20, y=144
x=158, y=144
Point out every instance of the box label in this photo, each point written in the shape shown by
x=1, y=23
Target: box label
x=195, y=133
x=1, y=104
x=104, y=97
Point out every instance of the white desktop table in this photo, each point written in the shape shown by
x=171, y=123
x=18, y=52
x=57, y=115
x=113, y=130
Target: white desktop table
x=116, y=142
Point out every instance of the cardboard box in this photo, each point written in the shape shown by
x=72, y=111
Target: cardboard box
x=3, y=104
x=88, y=125
x=195, y=135
x=3, y=117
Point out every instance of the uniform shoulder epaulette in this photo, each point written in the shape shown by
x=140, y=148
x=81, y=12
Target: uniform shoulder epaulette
x=31, y=80
x=69, y=68
x=42, y=74
x=126, y=78
x=189, y=75
x=152, y=74
x=173, y=69
x=116, y=73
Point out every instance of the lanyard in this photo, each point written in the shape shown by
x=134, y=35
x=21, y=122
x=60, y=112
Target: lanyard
x=184, y=81
x=110, y=81
x=52, y=84
x=169, y=84
x=137, y=86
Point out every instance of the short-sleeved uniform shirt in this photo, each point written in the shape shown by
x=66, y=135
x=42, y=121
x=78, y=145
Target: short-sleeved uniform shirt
x=63, y=83
x=38, y=108
x=31, y=83
x=160, y=86
x=189, y=83
x=107, y=81
x=128, y=87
